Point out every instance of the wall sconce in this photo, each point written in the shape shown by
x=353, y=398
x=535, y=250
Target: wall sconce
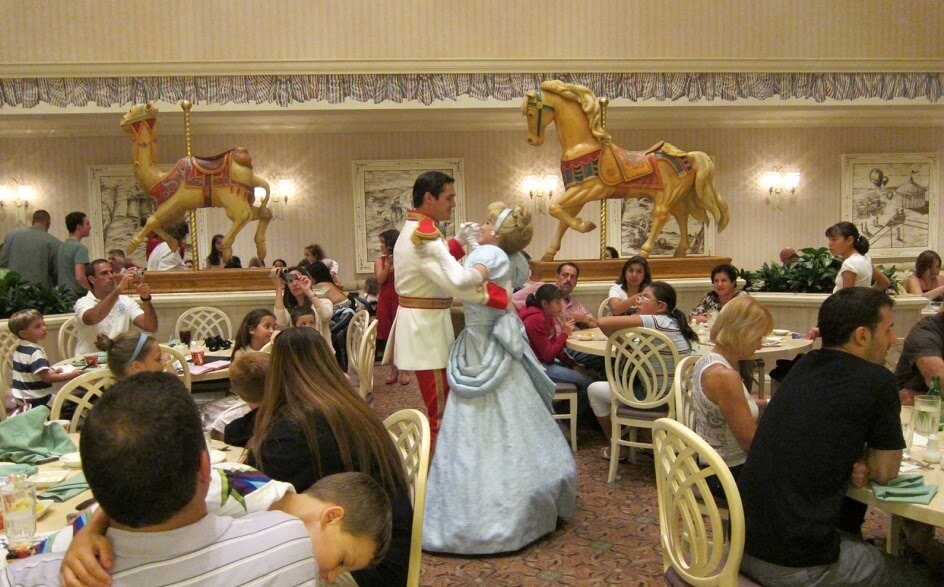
x=539, y=186
x=780, y=186
x=18, y=197
x=285, y=189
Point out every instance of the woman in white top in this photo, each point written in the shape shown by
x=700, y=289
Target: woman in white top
x=634, y=277
x=725, y=413
x=857, y=269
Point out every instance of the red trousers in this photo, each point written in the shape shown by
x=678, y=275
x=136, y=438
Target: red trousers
x=435, y=389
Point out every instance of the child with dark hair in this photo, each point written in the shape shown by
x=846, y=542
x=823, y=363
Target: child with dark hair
x=255, y=331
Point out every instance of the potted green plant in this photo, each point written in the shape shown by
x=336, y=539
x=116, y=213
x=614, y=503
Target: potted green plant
x=19, y=294
x=814, y=272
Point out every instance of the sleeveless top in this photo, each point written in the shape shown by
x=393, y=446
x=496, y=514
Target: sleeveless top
x=709, y=420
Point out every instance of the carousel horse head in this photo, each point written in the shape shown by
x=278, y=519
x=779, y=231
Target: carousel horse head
x=538, y=113
x=138, y=113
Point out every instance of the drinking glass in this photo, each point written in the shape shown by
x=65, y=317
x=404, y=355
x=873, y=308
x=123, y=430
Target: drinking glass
x=907, y=425
x=186, y=336
x=927, y=414
x=18, y=499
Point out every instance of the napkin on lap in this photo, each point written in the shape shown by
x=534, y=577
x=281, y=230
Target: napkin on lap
x=65, y=490
x=25, y=439
x=905, y=489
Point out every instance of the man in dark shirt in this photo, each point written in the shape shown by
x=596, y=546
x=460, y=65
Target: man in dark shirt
x=833, y=404
x=922, y=357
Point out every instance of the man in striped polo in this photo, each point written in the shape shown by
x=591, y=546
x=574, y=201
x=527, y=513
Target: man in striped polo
x=146, y=462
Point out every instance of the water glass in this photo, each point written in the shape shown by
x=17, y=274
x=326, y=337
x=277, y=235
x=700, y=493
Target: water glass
x=907, y=425
x=18, y=499
x=927, y=414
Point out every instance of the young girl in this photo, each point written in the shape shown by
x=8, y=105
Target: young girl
x=634, y=277
x=255, y=331
x=540, y=319
x=215, y=259
x=857, y=270
x=132, y=353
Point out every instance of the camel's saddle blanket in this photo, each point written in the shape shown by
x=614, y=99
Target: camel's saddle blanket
x=204, y=173
x=615, y=166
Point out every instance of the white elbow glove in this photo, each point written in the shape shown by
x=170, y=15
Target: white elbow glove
x=469, y=234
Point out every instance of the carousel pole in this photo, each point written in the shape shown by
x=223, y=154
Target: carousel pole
x=186, y=105
x=604, y=102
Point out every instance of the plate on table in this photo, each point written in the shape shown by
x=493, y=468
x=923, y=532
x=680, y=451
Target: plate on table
x=584, y=336
x=217, y=456
x=46, y=479
x=42, y=507
x=781, y=332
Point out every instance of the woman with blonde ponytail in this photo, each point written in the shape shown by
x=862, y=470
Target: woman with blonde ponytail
x=488, y=492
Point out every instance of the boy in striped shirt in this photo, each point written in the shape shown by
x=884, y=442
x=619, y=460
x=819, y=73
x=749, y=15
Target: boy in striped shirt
x=32, y=376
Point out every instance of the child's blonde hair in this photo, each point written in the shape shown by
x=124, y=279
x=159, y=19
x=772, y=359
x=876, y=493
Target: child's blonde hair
x=21, y=320
x=247, y=376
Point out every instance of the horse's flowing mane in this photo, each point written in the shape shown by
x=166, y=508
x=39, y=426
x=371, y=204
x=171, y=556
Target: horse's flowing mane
x=588, y=102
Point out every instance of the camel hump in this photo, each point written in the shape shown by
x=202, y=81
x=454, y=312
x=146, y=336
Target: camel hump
x=241, y=156
x=667, y=148
x=213, y=163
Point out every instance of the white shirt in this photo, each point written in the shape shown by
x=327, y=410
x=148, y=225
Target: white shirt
x=164, y=259
x=118, y=321
x=861, y=266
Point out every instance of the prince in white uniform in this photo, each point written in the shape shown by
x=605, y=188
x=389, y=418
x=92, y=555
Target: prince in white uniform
x=428, y=276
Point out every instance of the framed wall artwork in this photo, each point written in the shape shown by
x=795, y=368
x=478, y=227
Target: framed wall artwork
x=628, y=222
x=893, y=200
x=116, y=205
x=383, y=193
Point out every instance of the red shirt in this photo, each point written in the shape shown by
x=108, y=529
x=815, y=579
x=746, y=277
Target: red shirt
x=547, y=341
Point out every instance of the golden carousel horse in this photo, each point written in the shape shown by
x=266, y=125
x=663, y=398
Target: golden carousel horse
x=593, y=168
x=224, y=181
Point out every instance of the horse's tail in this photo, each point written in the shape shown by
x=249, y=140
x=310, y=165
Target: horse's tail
x=705, y=195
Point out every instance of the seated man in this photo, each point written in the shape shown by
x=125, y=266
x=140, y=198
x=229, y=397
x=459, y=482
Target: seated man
x=106, y=310
x=146, y=462
x=163, y=258
x=837, y=412
x=922, y=357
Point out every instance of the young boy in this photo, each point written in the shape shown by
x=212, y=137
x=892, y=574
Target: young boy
x=348, y=517
x=32, y=376
x=247, y=379
x=303, y=316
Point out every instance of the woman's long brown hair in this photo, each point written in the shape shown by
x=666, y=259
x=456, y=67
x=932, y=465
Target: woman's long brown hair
x=304, y=381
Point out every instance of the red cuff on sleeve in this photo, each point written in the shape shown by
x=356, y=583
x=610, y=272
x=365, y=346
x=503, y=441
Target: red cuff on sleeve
x=456, y=250
x=497, y=296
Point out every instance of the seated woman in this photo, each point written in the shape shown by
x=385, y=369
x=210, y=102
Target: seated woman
x=926, y=280
x=312, y=424
x=657, y=310
x=725, y=413
x=293, y=289
x=634, y=277
x=548, y=339
x=342, y=308
x=723, y=282
x=503, y=474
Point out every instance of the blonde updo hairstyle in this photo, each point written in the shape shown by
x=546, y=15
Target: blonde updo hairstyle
x=740, y=322
x=515, y=231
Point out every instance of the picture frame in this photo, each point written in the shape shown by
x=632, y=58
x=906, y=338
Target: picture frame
x=893, y=199
x=383, y=193
x=116, y=203
x=628, y=228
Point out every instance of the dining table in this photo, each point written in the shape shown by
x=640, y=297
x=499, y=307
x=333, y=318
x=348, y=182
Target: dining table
x=780, y=345
x=220, y=372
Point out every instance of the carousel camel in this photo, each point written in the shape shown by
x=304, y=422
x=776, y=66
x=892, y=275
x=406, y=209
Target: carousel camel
x=677, y=183
x=224, y=181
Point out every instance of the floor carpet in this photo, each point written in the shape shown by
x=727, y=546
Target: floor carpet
x=612, y=539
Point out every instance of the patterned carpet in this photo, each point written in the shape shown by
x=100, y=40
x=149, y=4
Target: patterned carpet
x=612, y=539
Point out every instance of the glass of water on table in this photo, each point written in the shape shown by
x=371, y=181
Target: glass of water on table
x=927, y=414
x=18, y=498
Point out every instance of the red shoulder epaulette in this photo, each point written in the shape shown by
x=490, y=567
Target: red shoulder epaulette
x=426, y=230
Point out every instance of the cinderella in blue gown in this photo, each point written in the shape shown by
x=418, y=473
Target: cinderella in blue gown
x=502, y=473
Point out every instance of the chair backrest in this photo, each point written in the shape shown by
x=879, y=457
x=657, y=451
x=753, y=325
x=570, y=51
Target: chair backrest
x=692, y=529
x=604, y=309
x=410, y=432
x=266, y=348
x=641, y=359
x=81, y=391
x=68, y=338
x=365, y=360
x=682, y=391
x=177, y=365
x=8, y=343
x=204, y=321
x=355, y=335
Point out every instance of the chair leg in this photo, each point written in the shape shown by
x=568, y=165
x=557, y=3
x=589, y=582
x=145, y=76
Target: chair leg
x=614, y=452
x=632, y=450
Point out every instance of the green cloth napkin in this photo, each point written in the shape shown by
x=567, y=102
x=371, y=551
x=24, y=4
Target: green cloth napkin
x=13, y=469
x=66, y=490
x=25, y=439
x=905, y=489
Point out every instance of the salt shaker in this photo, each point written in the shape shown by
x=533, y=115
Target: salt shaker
x=932, y=454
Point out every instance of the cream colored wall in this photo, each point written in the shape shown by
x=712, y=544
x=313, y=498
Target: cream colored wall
x=183, y=32
x=495, y=162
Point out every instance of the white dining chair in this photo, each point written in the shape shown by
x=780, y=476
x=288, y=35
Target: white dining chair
x=700, y=545
x=567, y=393
x=682, y=391
x=8, y=344
x=177, y=365
x=643, y=356
x=604, y=309
x=355, y=337
x=204, y=321
x=365, y=360
x=82, y=391
x=68, y=338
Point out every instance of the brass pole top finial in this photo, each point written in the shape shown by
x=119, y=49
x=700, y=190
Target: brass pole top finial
x=186, y=105
x=604, y=102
